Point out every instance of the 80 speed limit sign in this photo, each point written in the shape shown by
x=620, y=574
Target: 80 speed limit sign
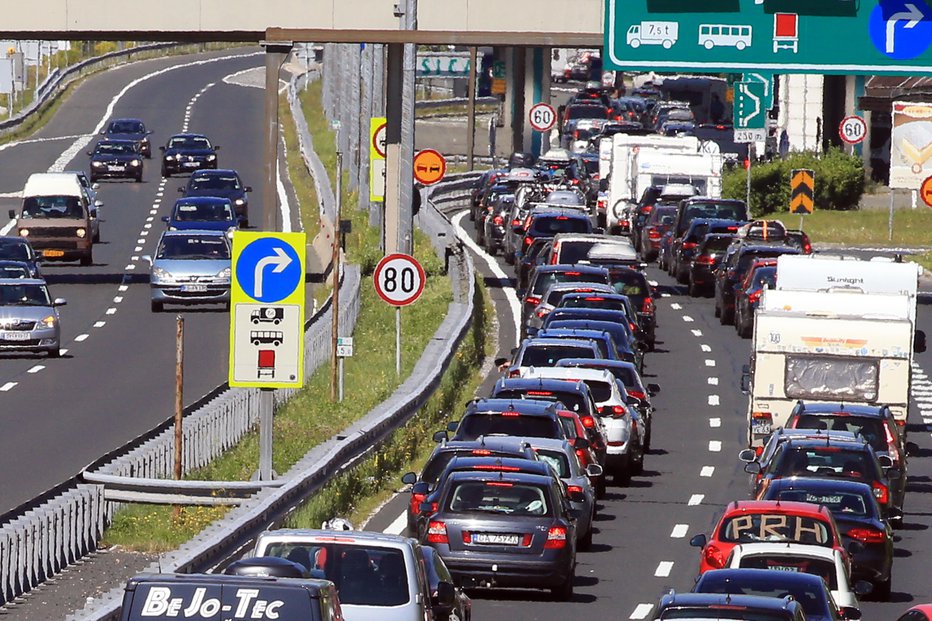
x=399, y=279
x=542, y=117
x=853, y=129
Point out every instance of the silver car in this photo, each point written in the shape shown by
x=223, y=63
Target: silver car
x=28, y=317
x=190, y=267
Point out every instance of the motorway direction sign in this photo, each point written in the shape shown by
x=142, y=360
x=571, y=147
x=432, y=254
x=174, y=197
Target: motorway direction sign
x=399, y=279
x=442, y=65
x=377, y=129
x=852, y=129
x=910, y=144
x=750, y=112
x=542, y=117
x=778, y=36
x=267, y=310
x=802, y=192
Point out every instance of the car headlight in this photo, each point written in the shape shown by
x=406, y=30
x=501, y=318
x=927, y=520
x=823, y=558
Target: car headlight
x=239, y=202
x=81, y=232
x=97, y=164
x=172, y=228
x=24, y=232
x=224, y=273
x=135, y=163
x=169, y=157
x=161, y=274
x=48, y=322
x=211, y=157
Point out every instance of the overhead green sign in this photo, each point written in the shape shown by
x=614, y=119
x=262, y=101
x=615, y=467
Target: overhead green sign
x=750, y=105
x=771, y=36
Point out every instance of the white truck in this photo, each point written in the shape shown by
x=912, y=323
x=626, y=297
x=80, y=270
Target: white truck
x=835, y=330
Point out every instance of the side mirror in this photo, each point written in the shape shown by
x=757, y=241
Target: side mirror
x=147, y=258
x=653, y=389
x=452, y=425
x=248, y=188
x=165, y=219
x=884, y=461
x=911, y=449
x=440, y=436
x=445, y=597
x=581, y=443
x=752, y=467
x=594, y=470
x=862, y=588
x=850, y=613
x=747, y=455
x=59, y=302
x=98, y=203
x=919, y=341
x=854, y=547
x=181, y=190
x=162, y=148
x=698, y=541
x=501, y=361
x=409, y=478
x=92, y=213
x=216, y=147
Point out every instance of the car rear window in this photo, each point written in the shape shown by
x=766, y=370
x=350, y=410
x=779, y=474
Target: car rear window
x=821, y=567
x=724, y=211
x=736, y=613
x=840, y=503
x=545, y=279
x=548, y=355
x=556, y=460
x=575, y=251
x=476, y=425
x=715, y=244
x=571, y=400
x=500, y=497
x=628, y=282
x=871, y=429
x=592, y=301
x=601, y=391
x=551, y=225
x=775, y=527
x=827, y=461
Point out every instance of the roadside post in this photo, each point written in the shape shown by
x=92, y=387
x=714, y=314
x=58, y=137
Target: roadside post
x=344, y=350
x=399, y=280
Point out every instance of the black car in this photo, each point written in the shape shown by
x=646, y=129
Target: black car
x=526, y=418
x=761, y=276
x=738, y=260
x=116, y=159
x=437, y=573
x=130, y=129
x=859, y=519
x=723, y=607
x=683, y=249
x=529, y=259
x=807, y=589
x=709, y=255
x=185, y=153
x=225, y=183
x=19, y=249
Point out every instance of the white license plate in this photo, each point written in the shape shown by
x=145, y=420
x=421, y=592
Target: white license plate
x=15, y=336
x=116, y=168
x=194, y=288
x=505, y=540
x=783, y=568
x=190, y=164
x=762, y=429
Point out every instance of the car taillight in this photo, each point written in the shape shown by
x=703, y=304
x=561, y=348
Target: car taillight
x=633, y=326
x=556, y=538
x=714, y=557
x=881, y=493
x=601, y=204
x=807, y=248
x=527, y=241
x=689, y=245
x=437, y=532
x=867, y=535
x=416, y=500
x=516, y=222
x=583, y=457
x=573, y=489
x=576, y=134
x=901, y=423
x=653, y=234
x=526, y=540
x=637, y=394
x=705, y=260
x=484, y=452
x=754, y=296
x=587, y=421
x=532, y=300
x=498, y=220
x=648, y=306
x=542, y=312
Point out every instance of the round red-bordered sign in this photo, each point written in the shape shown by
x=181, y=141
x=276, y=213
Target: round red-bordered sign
x=429, y=166
x=542, y=117
x=852, y=129
x=378, y=139
x=399, y=279
x=925, y=191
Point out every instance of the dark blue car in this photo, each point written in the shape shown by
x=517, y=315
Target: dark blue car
x=187, y=153
x=204, y=213
x=115, y=159
x=130, y=129
x=225, y=183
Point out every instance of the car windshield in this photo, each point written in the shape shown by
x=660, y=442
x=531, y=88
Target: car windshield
x=869, y=428
x=821, y=567
x=556, y=460
x=517, y=499
x=827, y=461
x=193, y=247
x=364, y=575
x=214, y=182
x=778, y=527
x=53, y=207
x=592, y=301
x=126, y=127
x=548, y=355
x=189, y=142
x=24, y=295
x=14, y=271
x=112, y=148
x=14, y=252
x=814, y=602
x=840, y=503
x=187, y=212
x=600, y=391
x=514, y=424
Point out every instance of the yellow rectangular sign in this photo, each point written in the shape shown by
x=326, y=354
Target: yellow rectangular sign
x=377, y=128
x=267, y=302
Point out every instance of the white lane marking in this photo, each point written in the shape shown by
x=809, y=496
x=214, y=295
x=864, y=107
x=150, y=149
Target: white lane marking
x=100, y=324
x=8, y=386
x=8, y=226
x=664, y=569
x=679, y=531
x=283, y=202
x=688, y=319
x=398, y=526
x=81, y=337
x=697, y=332
x=147, y=226
x=713, y=381
x=709, y=363
x=118, y=299
x=695, y=499
x=715, y=446
x=131, y=266
x=705, y=348
x=63, y=351
x=707, y=471
x=36, y=369
x=641, y=611
x=135, y=257
x=675, y=306
x=122, y=288
x=510, y=294
x=111, y=311
x=150, y=219
x=715, y=423
x=143, y=234
x=713, y=400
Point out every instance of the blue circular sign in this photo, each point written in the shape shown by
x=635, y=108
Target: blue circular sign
x=269, y=270
x=901, y=29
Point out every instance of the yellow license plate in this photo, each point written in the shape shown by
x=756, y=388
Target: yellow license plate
x=53, y=253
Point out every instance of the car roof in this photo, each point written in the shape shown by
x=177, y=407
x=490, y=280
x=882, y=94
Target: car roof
x=571, y=332
x=13, y=240
x=556, y=342
x=507, y=477
x=752, y=248
x=544, y=383
x=116, y=141
x=193, y=232
x=821, y=484
x=214, y=172
x=789, y=547
x=829, y=440
x=338, y=536
x=187, y=135
x=694, y=600
x=480, y=463
x=599, y=362
x=529, y=407
x=737, y=507
x=736, y=575
x=608, y=296
x=124, y=119
x=845, y=409
x=315, y=585
x=564, y=373
x=503, y=444
x=576, y=285
x=22, y=281
x=202, y=199
x=547, y=210
x=559, y=444
x=562, y=237
x=566, y=267
x=584, y=312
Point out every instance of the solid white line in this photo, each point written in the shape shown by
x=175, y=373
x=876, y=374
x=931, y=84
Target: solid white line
x=695, y=499
x=679, y=531
x=7, y=387
x=687, y=319
x=510, y=294
x=35, y=369
x=713, y=381
x=111, y=311
x=81, y=337
x=8, y=227
x=283, y=202
x=641, y=611
x=713, y=400
x=100, y=324
x=705, y=348
x=710, y=363
x=715, y=422
x=707, y=471
x=664, y=569
x=697, y=332
x=715, y=446
x=398, y=526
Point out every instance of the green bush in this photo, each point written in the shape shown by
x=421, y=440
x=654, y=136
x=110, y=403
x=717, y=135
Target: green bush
x=839, y=182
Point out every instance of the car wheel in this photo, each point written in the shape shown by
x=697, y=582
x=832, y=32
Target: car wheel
x=87, y=259
x=157, y=307
x=637, y=466
x=694, y=290
x=600, y=488
x=586, y=542
x=165, y=172
x=622, y=474
x=54, y=353
x=92, y=179
x=564, y=592
x=96, y=238
x=682, y=275
x=647, y=435
x=881, y=590
x=139, y=178
x=509, y=258
x=718, y=308
x=726, y=317
x=492, y=249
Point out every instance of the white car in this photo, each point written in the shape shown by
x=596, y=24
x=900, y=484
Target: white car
x=796, y=557
x=620, y=423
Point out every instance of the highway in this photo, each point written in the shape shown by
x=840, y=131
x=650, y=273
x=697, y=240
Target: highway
x=116, y=379
x=641, y=547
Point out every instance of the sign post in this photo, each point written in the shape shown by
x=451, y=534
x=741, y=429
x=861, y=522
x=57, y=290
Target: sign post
x=399, y=280
x=802, y=192
x=344, y=350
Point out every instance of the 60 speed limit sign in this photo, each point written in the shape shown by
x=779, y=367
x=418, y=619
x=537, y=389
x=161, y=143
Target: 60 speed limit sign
x=853, y=129
x=542, y=117
x=399, y=279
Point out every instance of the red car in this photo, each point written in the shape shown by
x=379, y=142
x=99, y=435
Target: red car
x=922, y=612
x=750, y=521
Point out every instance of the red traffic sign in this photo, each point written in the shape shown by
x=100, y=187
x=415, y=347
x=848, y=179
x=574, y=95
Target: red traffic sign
x=542, y=117
x=852, y=129
x=429, y=167
x=378, y=138
x=399, y=279
x=925, y=191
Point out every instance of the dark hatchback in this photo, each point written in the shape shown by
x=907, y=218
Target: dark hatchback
x=709, y=255
x=225, y=183
x=728, y=607
x=206, y=213
x=685, y=248
x=186, y=153
x=574, y=396
x=628, y=315
x=115, y=159
x=859, y=520
x=737, y=262
x=130, y=129
x=522, y=418
x=506, y=530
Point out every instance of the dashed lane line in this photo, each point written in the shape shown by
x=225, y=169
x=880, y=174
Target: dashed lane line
x=8, y=386
x=695, y=500
x=707, y=471
x=688, y=319
x=713, y=400
x=36, y=369
x=664, y=569
x=81, y=337
x=713, y=381
x=705, y=348
x=679, y=531
x=715, y=423
x=697, y=332
x=709, y=362
x=641, y=611
x=715, y=446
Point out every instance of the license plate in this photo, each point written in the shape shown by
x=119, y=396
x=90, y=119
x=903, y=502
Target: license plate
x=505, y=540
x=783, y=568
x=15, y=336
x=116, y=168
x=190, y=164
x=53, y=253
x=194, y=288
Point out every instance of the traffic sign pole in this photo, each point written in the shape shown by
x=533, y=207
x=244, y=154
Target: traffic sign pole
x=398, y=341
x=335, y=267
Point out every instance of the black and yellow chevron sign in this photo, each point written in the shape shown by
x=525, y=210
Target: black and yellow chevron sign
x=802, y=190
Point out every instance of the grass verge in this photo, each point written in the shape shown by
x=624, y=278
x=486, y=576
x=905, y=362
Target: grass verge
x=453, y=110
x=866, y=227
